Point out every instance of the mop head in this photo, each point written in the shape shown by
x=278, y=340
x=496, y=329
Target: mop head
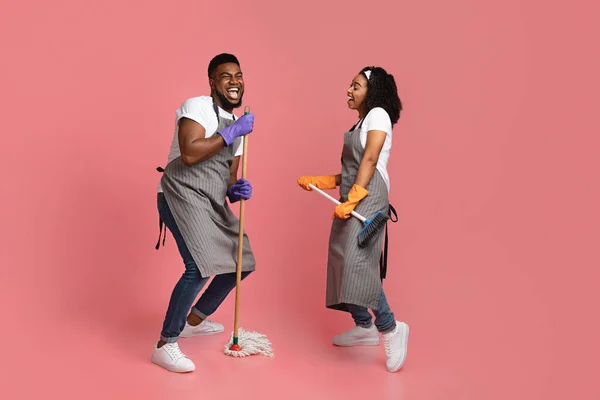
x=250, y=343
x=371, y=228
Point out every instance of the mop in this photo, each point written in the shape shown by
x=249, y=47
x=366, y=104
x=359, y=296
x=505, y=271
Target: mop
x=372, y=226
x=244, y=343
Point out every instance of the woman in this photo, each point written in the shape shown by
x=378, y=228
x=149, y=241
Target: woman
x=353, y=280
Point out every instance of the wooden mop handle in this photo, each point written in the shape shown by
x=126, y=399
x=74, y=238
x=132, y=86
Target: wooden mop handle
x=238, y=278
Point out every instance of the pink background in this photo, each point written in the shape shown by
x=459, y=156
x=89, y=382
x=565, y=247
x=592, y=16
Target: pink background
x=494, y=173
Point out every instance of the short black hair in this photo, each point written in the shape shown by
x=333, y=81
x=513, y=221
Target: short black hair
x=382, y=92
x=219, y=59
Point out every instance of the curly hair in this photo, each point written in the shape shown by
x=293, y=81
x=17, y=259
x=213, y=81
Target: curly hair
x=382, y=92
x=219, y=59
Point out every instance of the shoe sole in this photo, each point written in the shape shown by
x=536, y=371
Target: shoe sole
x=362, y=342
x=173, y=369
x=200, y=334
x=405, y=332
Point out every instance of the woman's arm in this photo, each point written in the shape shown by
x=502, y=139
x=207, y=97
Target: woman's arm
x=375, y=141
x=322, y=181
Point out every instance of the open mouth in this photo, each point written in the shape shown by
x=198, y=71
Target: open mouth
x=350, y=98
x=234, y=93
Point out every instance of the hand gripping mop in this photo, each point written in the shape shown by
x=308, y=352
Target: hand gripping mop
x=243, y=343
x=372, y=226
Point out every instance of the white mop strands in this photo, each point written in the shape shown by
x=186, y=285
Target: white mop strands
x=250, y=343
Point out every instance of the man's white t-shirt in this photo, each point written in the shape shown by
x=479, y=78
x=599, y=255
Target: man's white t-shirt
x=199, y=109
x=378, y=119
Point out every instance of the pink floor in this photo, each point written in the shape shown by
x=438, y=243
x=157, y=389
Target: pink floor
x=106, y=356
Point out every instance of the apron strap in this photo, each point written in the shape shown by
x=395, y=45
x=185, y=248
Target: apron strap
x=356, y=125
x=384, y=253
x=216, y=108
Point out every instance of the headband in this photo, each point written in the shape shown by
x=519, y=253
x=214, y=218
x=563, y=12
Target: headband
x=367, y=74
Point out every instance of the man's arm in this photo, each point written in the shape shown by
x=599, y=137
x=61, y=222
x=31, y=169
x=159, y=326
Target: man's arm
x=238, y=188
x=233, y=171
x=194, y=145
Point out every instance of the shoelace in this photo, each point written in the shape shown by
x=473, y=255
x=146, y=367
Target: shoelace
x=174, y=351
x=387, y=344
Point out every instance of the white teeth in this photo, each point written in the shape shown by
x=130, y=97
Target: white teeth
x=234, y=93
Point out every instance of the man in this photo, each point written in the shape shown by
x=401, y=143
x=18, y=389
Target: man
x=200, y=174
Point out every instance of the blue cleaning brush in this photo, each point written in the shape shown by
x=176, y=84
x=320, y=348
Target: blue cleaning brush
x=372, y=226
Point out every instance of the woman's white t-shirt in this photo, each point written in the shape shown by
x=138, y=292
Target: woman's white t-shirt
x=199, y=109
x=378, y=119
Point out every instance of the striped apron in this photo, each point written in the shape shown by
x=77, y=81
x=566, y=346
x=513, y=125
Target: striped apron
x=352, y=271
x=197, y=198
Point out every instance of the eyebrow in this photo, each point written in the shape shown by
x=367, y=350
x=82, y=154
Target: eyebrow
x=356, y=83
x=230, y=74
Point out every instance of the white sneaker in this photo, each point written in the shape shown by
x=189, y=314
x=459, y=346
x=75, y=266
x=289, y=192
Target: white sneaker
x=205, y=327
x=358, y=336
x=396, y=346
x=171, y=358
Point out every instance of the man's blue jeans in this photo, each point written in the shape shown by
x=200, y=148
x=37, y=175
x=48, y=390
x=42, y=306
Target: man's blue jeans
x=190, y=284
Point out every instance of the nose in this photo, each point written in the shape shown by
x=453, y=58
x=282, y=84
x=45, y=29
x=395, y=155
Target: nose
x=234, y=80
x=349, y=91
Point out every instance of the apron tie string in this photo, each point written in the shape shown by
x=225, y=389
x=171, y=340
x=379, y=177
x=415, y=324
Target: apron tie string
x=384, y=254
x=160, y=223
x=160, y=233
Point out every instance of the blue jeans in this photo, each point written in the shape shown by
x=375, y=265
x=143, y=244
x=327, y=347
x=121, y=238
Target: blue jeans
x=384, y=317
x=190, y=284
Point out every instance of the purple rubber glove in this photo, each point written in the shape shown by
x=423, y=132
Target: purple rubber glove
x=242, y=189
x=241, y=127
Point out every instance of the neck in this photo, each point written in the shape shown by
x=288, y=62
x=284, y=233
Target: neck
x=362, y=112
x=218, y=101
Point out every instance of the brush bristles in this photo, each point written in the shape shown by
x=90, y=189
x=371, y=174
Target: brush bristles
x=371, y=229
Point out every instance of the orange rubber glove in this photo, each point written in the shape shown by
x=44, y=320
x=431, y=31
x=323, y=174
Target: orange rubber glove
x=355, y=195
x=322, y=182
